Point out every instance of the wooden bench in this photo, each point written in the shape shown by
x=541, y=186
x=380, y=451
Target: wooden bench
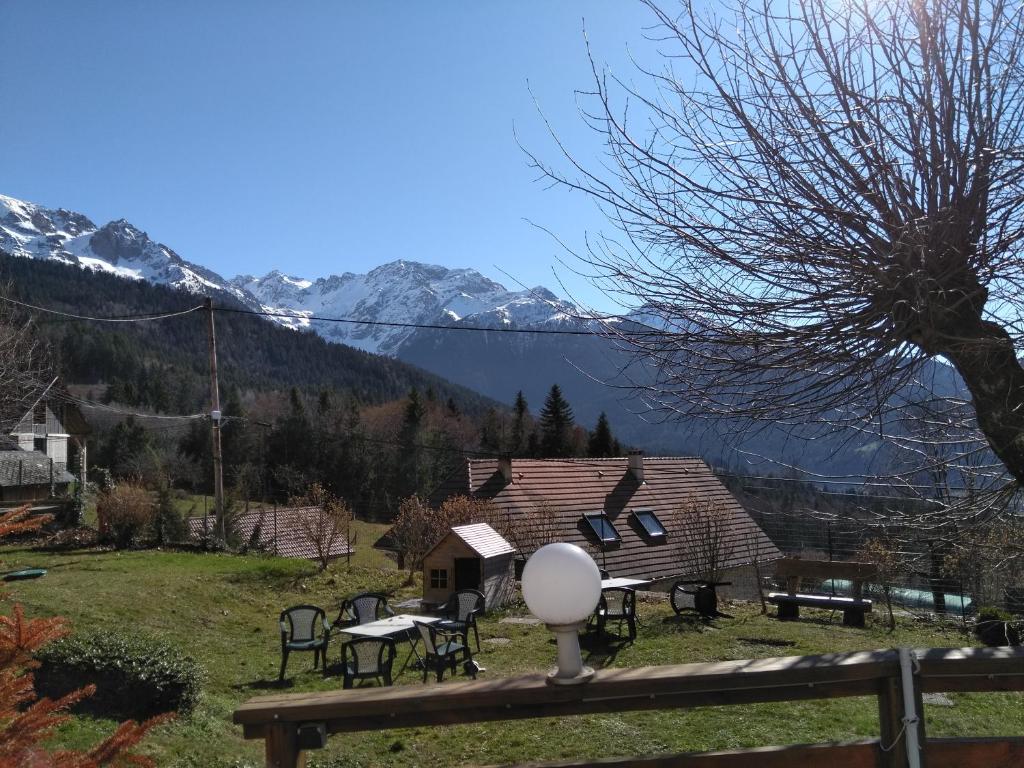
x=793, y=570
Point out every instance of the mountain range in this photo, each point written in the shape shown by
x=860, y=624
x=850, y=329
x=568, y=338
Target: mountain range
x=496, y=365
x=398, y=292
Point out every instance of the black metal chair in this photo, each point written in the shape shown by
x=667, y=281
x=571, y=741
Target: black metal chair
x=299, y=633
x=617, y=604
x=697, y=595
x=460, y=614
x=362, y=609
x=367, y=658
x=604, y=573
x=444, y=652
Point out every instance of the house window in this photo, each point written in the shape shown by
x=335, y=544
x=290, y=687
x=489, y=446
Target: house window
x=602, y=527
x=439, y=578
x=650, y=523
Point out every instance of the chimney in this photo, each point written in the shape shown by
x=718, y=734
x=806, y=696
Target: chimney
x=636, y=465
x=505, y=467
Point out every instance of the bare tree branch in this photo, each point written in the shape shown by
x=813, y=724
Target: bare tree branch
x=816, y=197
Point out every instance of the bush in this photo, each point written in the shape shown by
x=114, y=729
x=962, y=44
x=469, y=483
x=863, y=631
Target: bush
x=168, y=525
x=135, y=677
x=124, y=512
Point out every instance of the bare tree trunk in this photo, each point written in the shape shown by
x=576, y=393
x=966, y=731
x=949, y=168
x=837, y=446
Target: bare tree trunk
x=986, y=360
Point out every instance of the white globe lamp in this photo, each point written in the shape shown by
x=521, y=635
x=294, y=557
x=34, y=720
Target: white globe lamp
x=562, y=586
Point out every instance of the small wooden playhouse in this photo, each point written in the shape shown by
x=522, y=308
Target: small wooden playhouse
x=470, y=557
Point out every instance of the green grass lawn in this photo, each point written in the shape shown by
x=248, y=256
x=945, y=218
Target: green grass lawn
x=223, y=609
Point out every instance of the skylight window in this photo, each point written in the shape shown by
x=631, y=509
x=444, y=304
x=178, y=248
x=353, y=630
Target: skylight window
x=650, y=523
x=602, y=527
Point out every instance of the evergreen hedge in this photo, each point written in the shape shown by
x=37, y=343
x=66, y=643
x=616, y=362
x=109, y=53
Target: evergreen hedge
x=136, y=677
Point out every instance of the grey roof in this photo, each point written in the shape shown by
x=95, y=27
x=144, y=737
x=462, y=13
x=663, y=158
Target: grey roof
x=483, y=539
x=18, y=468
x=288, y=538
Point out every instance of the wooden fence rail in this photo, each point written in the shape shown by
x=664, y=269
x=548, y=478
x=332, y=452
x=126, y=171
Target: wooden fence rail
x=277, y=719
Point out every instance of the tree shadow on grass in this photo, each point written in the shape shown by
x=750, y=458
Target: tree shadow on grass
x=600, y=648
x=271, y=684
x=687, y=622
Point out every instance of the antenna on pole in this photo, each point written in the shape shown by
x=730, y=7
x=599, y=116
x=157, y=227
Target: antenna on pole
x=218, y=463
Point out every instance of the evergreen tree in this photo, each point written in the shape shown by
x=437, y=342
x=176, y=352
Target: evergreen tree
x=168, y=525
x=520, y=427
x=126, y=449
x=556, y=423
x=491, y=432
x=601, y=443
x=408, y=464
x=290, y=450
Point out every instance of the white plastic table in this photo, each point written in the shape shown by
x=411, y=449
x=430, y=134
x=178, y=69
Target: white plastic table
x=623, y=581
x=392, y=626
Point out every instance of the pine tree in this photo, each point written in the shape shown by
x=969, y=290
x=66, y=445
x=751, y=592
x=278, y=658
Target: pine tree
x=409, y=461
x=601, y=442
x=26, y=722
x=491, y=432
x=520, y=426
x=556, y=423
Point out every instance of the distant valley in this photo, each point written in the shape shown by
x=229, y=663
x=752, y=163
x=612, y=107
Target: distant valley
x=496, y=365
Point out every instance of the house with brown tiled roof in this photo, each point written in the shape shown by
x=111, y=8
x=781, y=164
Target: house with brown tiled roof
x=624, y=511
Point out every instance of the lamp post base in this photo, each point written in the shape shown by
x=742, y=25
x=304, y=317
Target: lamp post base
x=584, y=675
x=570, y=669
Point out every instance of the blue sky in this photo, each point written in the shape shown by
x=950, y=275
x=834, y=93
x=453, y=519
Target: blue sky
x=315, y=137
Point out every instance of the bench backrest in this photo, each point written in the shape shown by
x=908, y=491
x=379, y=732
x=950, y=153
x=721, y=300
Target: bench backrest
x=792, y=569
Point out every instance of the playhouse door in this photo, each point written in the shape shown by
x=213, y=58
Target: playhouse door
x=467, y=573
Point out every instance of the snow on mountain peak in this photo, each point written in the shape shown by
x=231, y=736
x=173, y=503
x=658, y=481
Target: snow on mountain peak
x=119, y=247
x=401, y=291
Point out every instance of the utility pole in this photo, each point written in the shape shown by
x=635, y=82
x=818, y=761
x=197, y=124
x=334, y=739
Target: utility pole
x=218, y=463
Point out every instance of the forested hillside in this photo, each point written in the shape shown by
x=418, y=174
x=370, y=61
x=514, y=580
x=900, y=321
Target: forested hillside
x=299, y=410
x=164, y=364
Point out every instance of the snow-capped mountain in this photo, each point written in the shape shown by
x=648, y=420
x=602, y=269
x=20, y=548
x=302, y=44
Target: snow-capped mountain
x=118, y=247
x=400, y=292
x=404, y=292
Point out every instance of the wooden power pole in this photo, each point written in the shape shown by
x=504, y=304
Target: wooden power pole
x=218, y=462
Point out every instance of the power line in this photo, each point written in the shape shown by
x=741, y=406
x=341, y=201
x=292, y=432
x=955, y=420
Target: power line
x=140, y=317
x=386, y=324
x=92, y=404
x=132, y=318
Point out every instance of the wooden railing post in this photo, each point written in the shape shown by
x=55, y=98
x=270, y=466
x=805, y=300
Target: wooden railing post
x=282, y=747
x=893, y=753
x=892, y=726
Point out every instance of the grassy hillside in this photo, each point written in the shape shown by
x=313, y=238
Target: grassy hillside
x=223, y=609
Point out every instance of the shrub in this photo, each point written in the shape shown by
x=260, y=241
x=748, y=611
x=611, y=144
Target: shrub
x=124, y=512
x=135, y=676
x=167, y=525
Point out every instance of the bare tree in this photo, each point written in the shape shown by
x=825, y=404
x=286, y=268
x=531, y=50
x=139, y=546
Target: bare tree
x=889, y=564
x=532, y=528
x=819, y=197
x=705, y=540
x=24, y=366
x=327, y=527
x=754, y=548
x=418, y=527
